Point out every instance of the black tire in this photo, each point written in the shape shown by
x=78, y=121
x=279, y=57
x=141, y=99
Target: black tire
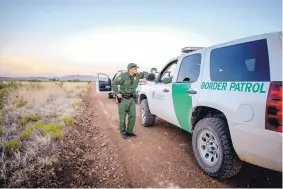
x=146, y=118
x=228, y=163
x=110, y=95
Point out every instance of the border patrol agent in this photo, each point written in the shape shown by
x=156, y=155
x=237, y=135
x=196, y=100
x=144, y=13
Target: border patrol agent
x=128, y=82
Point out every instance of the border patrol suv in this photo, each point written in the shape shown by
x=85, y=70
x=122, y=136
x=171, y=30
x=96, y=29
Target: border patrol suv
x=229, y=96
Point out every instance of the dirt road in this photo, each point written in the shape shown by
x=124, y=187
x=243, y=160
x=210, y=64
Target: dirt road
x=93, y=154
x=162, y=156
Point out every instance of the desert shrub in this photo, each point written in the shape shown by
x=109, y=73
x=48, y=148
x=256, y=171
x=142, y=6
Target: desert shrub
x=53, y=79
x=77, y=103
x=3, y=97
x=13, y=85
x=2, y=85
x=29, y=117
x=35, y=80
x=39, y=124
x=11, y=145
x=56, y=134
x=9, y=85
x=53, y=115
x=55, y=130
x=2, y=118
x=68, y=120
x=28, y=130
x=2, y=131
x=20, y=102
x=51, y=127
x=75, y=80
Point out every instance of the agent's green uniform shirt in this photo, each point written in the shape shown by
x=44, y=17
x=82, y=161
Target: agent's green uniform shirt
x=128, y=84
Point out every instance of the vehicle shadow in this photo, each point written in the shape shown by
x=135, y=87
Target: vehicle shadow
x=249, y=176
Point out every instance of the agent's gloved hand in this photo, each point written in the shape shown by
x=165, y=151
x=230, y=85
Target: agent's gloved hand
x=119, y=96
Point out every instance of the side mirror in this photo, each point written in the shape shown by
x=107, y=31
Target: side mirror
x=151, y=77
x=167, y=80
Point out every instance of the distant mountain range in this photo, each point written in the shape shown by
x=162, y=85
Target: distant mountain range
x=64, y=78
x=80, y=77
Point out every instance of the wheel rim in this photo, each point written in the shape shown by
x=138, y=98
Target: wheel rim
x=208, y=147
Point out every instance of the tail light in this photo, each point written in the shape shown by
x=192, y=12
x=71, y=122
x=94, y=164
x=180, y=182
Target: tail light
x=273, y=116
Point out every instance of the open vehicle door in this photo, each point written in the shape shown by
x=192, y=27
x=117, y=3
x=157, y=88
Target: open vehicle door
x=103, y=83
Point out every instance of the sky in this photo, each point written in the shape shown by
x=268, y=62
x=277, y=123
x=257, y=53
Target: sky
x=61, y=37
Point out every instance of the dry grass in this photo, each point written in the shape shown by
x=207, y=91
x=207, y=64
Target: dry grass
x=32, y=121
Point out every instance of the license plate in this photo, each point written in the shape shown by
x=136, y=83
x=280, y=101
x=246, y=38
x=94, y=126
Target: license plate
x=107, y=87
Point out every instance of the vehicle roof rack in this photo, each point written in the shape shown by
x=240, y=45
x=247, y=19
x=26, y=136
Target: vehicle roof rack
x=190, y=49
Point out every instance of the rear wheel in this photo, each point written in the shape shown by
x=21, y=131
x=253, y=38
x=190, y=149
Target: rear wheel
x=146, y=118
x=213, y=148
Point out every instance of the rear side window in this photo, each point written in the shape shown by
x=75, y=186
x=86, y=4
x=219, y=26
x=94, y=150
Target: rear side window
x=190, y=68
x=242, y=62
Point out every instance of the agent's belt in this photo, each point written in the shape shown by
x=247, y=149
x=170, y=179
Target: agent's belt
x=128, y=95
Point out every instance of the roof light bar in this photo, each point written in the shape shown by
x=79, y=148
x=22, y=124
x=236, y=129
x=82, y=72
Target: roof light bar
x=190, y=49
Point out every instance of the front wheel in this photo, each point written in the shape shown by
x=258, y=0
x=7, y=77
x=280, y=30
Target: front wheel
x=213, y=148
x=146, y=118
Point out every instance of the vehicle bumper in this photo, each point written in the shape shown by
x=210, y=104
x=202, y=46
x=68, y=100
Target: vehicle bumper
x=258, y=146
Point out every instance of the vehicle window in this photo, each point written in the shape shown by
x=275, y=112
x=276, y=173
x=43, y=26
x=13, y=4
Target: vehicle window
x=190, y=68
x=115, y=76
x=168, y=74
x=242, y=62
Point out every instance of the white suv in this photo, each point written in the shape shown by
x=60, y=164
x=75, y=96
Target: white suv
x=229, y=96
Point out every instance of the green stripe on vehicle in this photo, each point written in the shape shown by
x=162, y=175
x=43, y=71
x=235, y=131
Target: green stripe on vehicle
x=182, y=104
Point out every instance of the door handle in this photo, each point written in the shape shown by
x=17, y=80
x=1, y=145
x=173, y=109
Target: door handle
x=191, y=91
x=165, y=90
